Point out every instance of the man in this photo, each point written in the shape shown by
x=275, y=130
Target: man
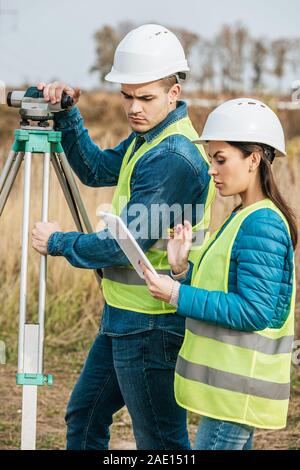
x=133, y=358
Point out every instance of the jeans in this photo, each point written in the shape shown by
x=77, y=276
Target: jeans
x=214, y=434
x=137, y=371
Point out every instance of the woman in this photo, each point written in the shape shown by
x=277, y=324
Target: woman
x=234, y=365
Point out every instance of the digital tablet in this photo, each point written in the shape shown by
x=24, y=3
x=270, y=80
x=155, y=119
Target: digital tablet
x=127, y=242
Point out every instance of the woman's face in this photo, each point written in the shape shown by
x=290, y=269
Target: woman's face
x=229, y=168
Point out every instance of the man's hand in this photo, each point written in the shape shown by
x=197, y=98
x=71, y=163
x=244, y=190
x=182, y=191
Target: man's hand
x=53, y=91
x=41, y=234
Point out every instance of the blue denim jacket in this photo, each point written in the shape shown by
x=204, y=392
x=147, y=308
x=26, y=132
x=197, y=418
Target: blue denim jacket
x=154, y=181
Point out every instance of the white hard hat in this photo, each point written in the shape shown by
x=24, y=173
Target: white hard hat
x=147, y=53
x=245, y=120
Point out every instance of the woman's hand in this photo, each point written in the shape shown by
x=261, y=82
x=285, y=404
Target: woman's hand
x=160, y=287
x=179, y=247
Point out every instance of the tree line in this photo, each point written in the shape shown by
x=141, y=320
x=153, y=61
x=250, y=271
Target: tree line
x=232, y=61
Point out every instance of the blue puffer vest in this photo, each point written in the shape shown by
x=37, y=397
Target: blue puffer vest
x=260, y=279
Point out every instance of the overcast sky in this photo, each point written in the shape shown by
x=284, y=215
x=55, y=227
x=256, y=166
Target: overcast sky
x=47, y=39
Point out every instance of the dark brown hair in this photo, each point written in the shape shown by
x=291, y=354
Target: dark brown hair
x=168, y=82
x=268, y=183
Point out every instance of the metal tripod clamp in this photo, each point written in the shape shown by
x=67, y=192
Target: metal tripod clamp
x=37, y=141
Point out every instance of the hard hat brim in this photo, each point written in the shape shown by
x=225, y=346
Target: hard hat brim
x=126, y=79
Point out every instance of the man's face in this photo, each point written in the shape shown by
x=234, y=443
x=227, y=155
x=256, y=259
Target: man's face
x=148, y=104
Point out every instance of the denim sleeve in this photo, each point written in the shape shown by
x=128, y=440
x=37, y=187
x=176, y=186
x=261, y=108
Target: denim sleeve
x=93, y=166
x=151, y=185
x=187, y=279
x=160, y=181
x=261, y=250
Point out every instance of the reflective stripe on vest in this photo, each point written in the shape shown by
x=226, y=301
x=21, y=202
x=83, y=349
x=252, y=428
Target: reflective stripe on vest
x=233, y=375
x=228, y=381
x=253, y=341
x=128, y=276
x=199, y=235
x=122, y=287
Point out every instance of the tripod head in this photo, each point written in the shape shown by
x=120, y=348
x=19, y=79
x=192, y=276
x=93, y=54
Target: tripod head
x=33, y=106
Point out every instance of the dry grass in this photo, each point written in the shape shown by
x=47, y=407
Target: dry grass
x=52, y=403
x=74, y=301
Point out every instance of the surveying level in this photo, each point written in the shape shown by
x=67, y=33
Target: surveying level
x=37, y=136
x=33, y=106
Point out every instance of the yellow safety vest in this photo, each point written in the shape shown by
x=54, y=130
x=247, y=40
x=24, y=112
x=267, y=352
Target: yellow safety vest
x=122, y=287
x=232, y=375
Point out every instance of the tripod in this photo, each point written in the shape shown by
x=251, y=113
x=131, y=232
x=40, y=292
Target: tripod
x=42, y=140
